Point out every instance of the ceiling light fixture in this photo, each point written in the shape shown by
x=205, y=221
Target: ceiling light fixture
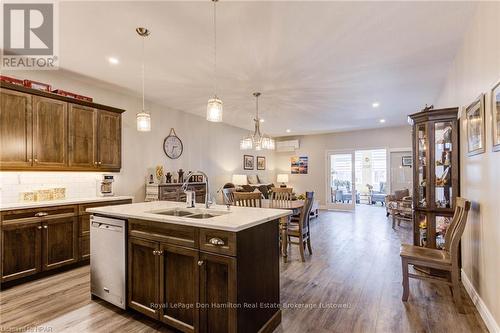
x=257, y=140
x=113, y=61
x=143, y=118
x=214, y=105
x=288, y=130
x=382, y=121
x=375, y=104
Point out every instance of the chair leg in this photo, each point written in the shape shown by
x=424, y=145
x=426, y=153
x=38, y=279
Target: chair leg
x=406, y=280
x=301, y=248
x=309, y=246
x=457, y=295
x=393, y=221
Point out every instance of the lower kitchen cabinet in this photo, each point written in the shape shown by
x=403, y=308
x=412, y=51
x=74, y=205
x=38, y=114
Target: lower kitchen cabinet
x=61, y=243
x=179, y=287
x=143, y=276
x=42, y=239
x=21, y=249
x=217, y=289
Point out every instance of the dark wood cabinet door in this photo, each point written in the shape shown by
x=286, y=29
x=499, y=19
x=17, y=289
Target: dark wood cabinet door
x=60, y=242
x=143, y=276
x=109, y=140
x=82, y=123
x=49, y=133
x=179, y=287
x=217, y=286
x=15, y=129
x=21, y=246
x=84, y=247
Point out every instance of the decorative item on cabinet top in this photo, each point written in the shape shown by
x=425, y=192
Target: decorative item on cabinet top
x=47, y=132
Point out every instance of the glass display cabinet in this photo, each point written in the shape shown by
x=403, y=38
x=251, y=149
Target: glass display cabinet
x=435, y=174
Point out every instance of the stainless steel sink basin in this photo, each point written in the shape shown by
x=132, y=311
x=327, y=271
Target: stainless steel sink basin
x=190, y=213
x=174, y=212
x=201, y=216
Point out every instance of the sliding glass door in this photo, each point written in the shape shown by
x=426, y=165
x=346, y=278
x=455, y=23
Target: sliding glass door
x=341, y=189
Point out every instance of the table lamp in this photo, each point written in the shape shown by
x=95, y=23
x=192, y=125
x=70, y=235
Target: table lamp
x=282, y=178
x=239, y=180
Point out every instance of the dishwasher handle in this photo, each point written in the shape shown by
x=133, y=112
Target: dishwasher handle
x=108, y=227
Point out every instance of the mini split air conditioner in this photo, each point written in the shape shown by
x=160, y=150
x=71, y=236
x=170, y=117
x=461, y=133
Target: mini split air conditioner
x=287, y=146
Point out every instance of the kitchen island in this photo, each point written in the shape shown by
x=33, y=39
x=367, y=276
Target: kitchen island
x=202, y=270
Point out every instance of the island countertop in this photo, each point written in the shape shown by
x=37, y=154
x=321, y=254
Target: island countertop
x=235, y=219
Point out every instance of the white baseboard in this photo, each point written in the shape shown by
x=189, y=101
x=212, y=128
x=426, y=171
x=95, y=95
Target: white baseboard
x=490, y=322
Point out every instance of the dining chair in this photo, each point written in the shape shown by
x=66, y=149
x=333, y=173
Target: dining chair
x=248, y=199
x=228, y=196
x=301, y=230
x=445, y=259
x=280, y=195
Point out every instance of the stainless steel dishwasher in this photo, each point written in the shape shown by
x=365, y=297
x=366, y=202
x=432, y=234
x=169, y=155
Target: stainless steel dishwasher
x=108, y=259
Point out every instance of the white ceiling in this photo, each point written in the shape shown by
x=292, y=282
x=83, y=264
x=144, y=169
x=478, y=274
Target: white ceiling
x=319, y=65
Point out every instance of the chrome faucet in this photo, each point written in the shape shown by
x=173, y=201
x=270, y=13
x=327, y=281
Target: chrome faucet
x=207, y=187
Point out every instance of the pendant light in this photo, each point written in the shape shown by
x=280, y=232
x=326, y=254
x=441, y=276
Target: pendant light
x=143, y=117
x=214, y=106
x=257, y=140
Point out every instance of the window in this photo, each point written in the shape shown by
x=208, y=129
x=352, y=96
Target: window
x=370, y=168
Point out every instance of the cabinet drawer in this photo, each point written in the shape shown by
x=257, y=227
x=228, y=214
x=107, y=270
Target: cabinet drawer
x=218, y=241
x=26, y=215
x=82, y=208
x=164, y=232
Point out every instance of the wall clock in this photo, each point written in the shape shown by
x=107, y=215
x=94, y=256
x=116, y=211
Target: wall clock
x=172, y=145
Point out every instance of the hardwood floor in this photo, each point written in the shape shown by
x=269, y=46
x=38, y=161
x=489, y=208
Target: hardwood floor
x=355, y=270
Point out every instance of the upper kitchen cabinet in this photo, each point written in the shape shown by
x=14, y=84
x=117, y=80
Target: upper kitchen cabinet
x=50, y=136
x=15, y=129
x=82, y=136
x=45, y=131
x=109, y=140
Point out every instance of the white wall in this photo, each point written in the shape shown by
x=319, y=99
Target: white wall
x=475, y=70
x=211, y=147
x=315, y=147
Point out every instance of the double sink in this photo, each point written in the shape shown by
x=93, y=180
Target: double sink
x=190, y=213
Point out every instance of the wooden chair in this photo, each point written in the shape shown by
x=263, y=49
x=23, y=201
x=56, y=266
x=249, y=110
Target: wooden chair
x=280, y=195
x=445, y=260
x=301, y=229
x=248, y=199
x=228, y=196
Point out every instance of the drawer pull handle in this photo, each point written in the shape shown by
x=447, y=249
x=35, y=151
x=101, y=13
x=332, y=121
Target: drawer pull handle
x=200, y=262
x=157, y=253
x=41, y=214
x=216, y=241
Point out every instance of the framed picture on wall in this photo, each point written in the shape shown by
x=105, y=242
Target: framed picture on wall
x=299, y=165
x=475, y=127
x=261, y=163
x=495, y=116
x=248, y=162
x=406, y=161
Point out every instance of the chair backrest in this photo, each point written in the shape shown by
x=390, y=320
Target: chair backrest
x=305, y=214
x=228, y=196
x=248, y=199
x=280, y=195
x=456, y=228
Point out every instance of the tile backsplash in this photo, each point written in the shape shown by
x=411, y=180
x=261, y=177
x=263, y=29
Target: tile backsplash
x=77, y=184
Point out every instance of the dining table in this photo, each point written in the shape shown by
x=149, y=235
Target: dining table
x=296, y=207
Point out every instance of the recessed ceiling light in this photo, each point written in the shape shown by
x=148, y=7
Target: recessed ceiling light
x=261, y=120
x=113, y=60
x=288, y=130
x=381, y=121
x=375, y=104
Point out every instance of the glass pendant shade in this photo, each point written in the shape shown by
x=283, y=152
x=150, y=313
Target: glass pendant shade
x=214, y=110
x=143, y=122
x=246, y=143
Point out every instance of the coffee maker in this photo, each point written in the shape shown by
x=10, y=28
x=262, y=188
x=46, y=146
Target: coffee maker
x=105, y=186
